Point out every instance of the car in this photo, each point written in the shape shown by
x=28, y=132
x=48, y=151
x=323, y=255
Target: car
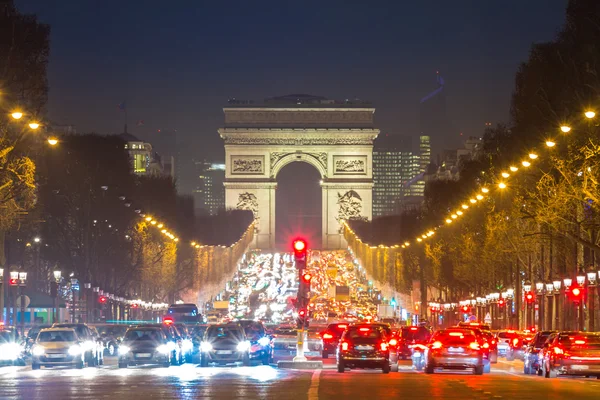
x=531, y=362
x=411, y=335
x=58, y=347
x=11, y=349
x=542, y=354
x=172, y=336
x=261, y=348
x=32, y=335
x=145, y=345
x=92, y=346
x=504, y=338
x=573, y=353
x=364, y=346
x=457, y=349
x=331, y=337
x=516, y=347
x=111, y=336
x=225, y=344
x=484, y=338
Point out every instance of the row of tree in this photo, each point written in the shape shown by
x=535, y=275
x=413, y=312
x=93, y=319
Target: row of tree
x=545, y=224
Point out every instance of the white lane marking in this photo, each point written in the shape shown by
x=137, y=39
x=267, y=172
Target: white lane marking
x=313, y=391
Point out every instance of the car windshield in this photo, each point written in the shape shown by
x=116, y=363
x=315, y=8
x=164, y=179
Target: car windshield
x=79, y=329
x=143, y=334
x=224, y=332
x=363, y=333
x=56, y=336
x=541, y=339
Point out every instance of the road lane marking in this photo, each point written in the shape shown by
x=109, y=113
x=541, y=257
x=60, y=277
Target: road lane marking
x=313, y=391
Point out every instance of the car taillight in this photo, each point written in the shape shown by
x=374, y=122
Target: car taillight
x=327, y=336
x=384, y=346
x=493, y=342
x=486, y=345
x=344, y=345
x=558, y=350
x=474, y=345
x=580, y=342
x=436, y=345
x=393, y=342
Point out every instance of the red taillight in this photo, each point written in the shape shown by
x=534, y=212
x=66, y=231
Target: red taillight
x=474, y=346
x=458, y=334
x=413, y=328
x=486, y=345
x=436, y=345
x=384, y=346
x=342, y=326
x=364, y=329
x=344, y=346
x=493, y=342
x=327, y=336
x=515, y=341
x=167, y=320
x=580, y=342
x=393, y=342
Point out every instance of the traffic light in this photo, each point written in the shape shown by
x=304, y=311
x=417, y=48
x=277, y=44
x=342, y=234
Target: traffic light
x=300, y=248
x=529, y=297
x=13, y=282
x=501, y=303
x=306, y=277
x=302, y=321
x=576, y=294
x=102, y=299
x=465, y=309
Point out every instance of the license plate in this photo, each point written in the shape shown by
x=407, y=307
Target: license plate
x=224, y=352
x=291, y=346
x=416, y=354
x=143, y=355
x=455, y=349
x=56, y=355
x=580, y=367
x=364, y=348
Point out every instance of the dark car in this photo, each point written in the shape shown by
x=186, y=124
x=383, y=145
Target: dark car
x=145, y=345
x=172, y=336
x=531, y=362
x=408, y=336
x=11, y=351
x=454, y=348
x=331, y=337
x=573, y=353
x=261, y=347
x=364, y=346
x=225, y=344
x=92, y=347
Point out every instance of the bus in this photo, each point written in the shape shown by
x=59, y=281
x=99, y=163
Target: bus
x=186, y=313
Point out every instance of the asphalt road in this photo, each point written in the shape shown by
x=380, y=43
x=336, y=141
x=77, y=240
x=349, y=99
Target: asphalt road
x=506, y=381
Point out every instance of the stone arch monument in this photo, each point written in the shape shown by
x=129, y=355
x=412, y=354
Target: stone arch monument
x=334, y=137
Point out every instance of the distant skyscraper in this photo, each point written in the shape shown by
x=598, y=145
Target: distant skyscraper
x=209, y=195
x=393, y=167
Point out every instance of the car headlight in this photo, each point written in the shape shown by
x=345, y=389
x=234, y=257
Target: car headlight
x=124, y=350
x=10, y=351
x=88, y=345
x=162, y=349
x=171, y=345
x=264, y=341
x=243, y=346
x=38, y=350
x=187, y=345
x=75, y=350
x=205, y=346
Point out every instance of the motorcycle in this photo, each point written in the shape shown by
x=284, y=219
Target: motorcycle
x=418, y=356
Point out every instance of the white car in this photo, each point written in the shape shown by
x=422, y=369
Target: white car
x=57, y=347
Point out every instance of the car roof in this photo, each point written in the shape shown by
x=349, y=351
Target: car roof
x=61, y=329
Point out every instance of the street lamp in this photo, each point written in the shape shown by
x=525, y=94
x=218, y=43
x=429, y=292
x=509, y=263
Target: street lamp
x=567, y=282
x=580, y=279
x=57, y=277
x=52, y=141
x=527, y=286
x=2, y=295
x=21, y=277
x=16, y=115
x=539, y=287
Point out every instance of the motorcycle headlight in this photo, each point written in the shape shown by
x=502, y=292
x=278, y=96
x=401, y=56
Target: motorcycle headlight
x=38, y=350
x=124, y=350
x=88, y=345
x=75, y=350
x=264, y=341
x=163, y=349
x=205, y=346
x=243, y=346
x=187, y=345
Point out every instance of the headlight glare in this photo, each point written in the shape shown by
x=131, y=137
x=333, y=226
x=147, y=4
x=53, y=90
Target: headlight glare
x=205, y=346
x=38, y=350
x=88, y=345
x=243, y=346
x=75, y=350
x=163, y=349
x=187, y=345
x=264, y=341
x=124, y=350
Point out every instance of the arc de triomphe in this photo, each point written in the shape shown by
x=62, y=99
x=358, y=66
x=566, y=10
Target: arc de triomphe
x=335, y=138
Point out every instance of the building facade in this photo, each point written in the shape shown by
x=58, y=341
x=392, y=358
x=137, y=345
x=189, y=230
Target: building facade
x=209, y=194
x=144, y=161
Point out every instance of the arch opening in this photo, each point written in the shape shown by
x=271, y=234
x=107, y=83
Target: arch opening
x=298, y=205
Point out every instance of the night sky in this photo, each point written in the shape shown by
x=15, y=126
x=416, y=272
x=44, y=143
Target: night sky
x=177, y=63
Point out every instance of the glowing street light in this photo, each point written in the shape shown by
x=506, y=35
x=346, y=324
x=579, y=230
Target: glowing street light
x=533, y=156
x=454, y=216
x=513, y=168
x=34, y=125
x=459, y=212
x=550, y=143
x=565, y=128
x=473, y=201
x=502, y=185
x=464, y=206
x=17, y=115
x=484, y=190
x=505, y=174
x=526, y=163
x=479, y=197
x=448, y=221
x=52, y=141
x=590, y=114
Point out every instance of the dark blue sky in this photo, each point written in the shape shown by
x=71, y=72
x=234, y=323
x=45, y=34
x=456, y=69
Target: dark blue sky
x=177, y=63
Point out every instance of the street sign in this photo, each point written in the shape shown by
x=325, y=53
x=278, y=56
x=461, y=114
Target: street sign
x=487, y=319
x=24, y=298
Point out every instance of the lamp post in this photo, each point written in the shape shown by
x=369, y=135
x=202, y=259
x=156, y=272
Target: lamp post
x=74, y=301
x=527, y=289
x=591, y=277
x=539, y=288
x=556, y=305
x=55, y=286
x=580, y=313
x=567, y=282
x=22, y=282
x=2, y=295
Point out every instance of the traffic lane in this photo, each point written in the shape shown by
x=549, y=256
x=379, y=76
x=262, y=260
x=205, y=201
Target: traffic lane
x=144, y=382
x=373, y=384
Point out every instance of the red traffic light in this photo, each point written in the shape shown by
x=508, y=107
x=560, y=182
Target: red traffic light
x=501, y=302
x=576, y=292
x=306, y=277
x=13, y=282
x=102, y=299
x=529, y=297
x=302, y=313
x=465, y=309
x=168, y=320
x=299, y=245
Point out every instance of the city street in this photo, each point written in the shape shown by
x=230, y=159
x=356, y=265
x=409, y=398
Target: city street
x=267, y=382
